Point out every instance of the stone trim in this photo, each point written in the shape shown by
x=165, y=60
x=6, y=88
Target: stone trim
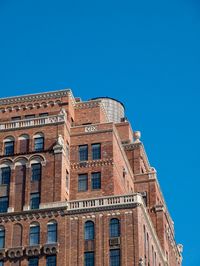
x=93, y=163
x=36, y=97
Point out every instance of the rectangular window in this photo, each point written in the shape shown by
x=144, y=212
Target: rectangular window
x=39, y=144
x=29, y=116
x=33, y=262
x=51, y=261
x=2, y=238
x=5, y=176
x=96, y=180
x=96, y=151
x=115, y=257
x=36, y=172
x=43, y=114
x=3, y=204
x=89, y=259
x=35, y=200
x=9, y=148
x=15, y=118
x=82, y=182
x=83, y=153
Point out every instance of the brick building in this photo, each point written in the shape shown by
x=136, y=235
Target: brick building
x=76, y=186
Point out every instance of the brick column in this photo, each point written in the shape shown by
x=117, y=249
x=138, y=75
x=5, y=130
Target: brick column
x=12, y=190
x=27, y=187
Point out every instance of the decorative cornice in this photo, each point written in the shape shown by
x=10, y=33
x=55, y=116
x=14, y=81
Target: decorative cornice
x=86, y=105
x=93, y=163
x=32, y=215
x=35, y=97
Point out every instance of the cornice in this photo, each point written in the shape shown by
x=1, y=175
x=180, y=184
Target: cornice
x=36, y=97
x=93, y=163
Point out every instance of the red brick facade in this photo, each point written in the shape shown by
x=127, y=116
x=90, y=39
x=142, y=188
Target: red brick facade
x=45, y=183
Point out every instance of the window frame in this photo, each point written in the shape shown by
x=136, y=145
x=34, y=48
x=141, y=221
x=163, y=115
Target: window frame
x=113, y=256
x=81, y=182
x=3, y=177
x=9, y=150
x=4, y=210
x=34, y=237
x=36, y=176
x=86, y=262
x=2, y=237
x=51, y=232
x=96, y=152
x=89, y=230
x=40, y=142
x=96, y=180
x=83, y=154
x=32, y=203
x=49, y=263
x=114, y=228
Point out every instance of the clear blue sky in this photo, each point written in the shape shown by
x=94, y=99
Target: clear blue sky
x=144, y=53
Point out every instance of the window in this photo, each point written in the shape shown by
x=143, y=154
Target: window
x=83, y=153
x=15, y=118
x=52, y=232
x=2, y=237
x=96, y=151
x=34, y=234
x=67, y=180
x=3, y=204
x=96, y=180
x=9, y=148
x=29, y=116
x=35, y=200
x=33, y=262
x=5, y=176
x=89, y=259
x=36, y=172
x=82, y=182
x=114, y=257
x=89, y=230
x=114, y=228
x=51, y=261
x=39, y=144
x=43, y=114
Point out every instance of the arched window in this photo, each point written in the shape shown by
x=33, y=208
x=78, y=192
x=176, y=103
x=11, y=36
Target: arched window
x=39, y=142
x=9, y=143
x=52, y=232
x=114, y=227
x=34, y=234
x=2, y=237
x=89, y=230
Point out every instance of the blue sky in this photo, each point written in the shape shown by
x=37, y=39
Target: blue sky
x=144, y=53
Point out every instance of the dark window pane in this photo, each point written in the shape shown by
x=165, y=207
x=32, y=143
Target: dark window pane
x=35, y=201
x=15, y=118
x=83, y=153
x=2, y=237
x=36, y=172
x=114, y=228
x=96, y=180
x=39, y=144
x=115, y=257
x=82, y=182
x=3, y=204
x=5, y=176
x=89, y=230
x=52, y=233
x=43, y=114
x=33, y=262
x=9, y=148
x=34, y=236
x=96, y=151
x=89, y=259
x=29, y=116
x=51, y=260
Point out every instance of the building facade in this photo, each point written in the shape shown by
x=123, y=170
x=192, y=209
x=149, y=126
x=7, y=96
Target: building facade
x=76, y=186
